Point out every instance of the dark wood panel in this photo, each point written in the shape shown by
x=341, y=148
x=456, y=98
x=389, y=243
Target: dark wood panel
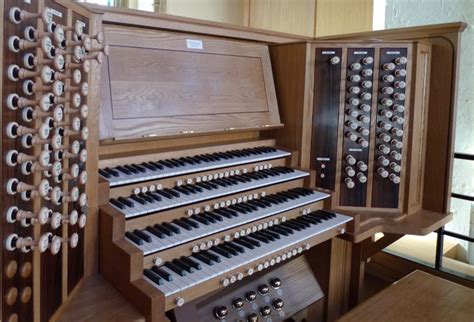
x=385, y=192
x=325, y=116
x=357, y=195
x=75, y=259
x=23, y=311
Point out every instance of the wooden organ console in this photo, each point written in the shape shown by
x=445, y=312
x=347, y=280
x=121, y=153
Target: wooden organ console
x=223, y=163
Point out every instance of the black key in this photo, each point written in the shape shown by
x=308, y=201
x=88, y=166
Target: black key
x=235, y=246
x=203, y=259
x=137, y=240
x=330, y=214
x=170, y=191
x=287, y=229
x=292, y=226
x=188, y=160
x=139, y=168
x=126, y=202
x=303, y=222
x=104, y=173
x=165, y=275
x=154, y=196
x=220, y=183
x=166, y=163
x=130, y=168
x=225, y=247
x=149, y=166
x=146, y=197
x=201, y=219
x=214, y=257
x=171, y=227
x=142, y=235
x=267, y=203
x=186, y=192
x=223, y=213
x=309, y=220
x=156, y=164
x=178, y=270
x=178, y=162
x=117, y=204
x=203, y=185
x=181, y=224
x=287, y=195
x=165, y=194
x=257, y=203
x=191, y=262
x=183, y=265
x=195, y=159
x=112, y=172
x=237, y=208
x=266, y=235
x=270, y=233
x=221, y=251
x=230, y=211
x=138, y=199
x=249, y=207
x=215, y=216
x=260, y=238
x=153, y=276
x=190, y=222
x=195, y=187
x=208, y=216
x=244, y=243
x=123, y=170
x=251, y=241
x=278, y=230
x=155, y=232
x=163, y=230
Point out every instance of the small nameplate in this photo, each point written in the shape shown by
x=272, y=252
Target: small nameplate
x=194, y=44
x=27, y=1
x=323, y=159
x=360, y=53
x=393, y=53
x=328, y=52
x=57, y=13
x=355, y=150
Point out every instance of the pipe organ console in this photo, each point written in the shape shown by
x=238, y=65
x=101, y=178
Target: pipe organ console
x=214, y=166
x=44, y=150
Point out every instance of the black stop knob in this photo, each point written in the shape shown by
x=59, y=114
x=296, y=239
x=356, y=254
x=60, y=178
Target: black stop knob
x=251, y=296
x=263, y=289
x=252, y=317
x=265, y=310
x=278, y=304
x=275, y=282
x=238, y=303
x=220, y=312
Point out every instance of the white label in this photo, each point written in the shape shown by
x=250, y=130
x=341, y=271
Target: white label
x=360, y=53
x=27, y=1
x=194, y=44
x=328, y=52
x=355, y=150
x=81, y=23
x=393, y=53
x=57, y=13
x=323, y=159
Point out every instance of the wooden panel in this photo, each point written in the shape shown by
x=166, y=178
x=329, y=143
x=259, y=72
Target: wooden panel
x=162, y=83
x=327, y=91
x=385, y=193
x=11, y=279
x=407, y=300
x=198, y=91
x=343, y=16
x=294, y=17
x=357, y=195
x=228, y=11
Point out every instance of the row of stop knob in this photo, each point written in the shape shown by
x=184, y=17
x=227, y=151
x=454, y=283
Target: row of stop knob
x=43, y=243
x=239, y=303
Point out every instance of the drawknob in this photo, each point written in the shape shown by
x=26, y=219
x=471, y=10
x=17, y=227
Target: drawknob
x=220, y=312
x=275, y=282
x=17, y=15
x=278, y=304
x=265, y=311
x=252, y=317
x=238, y=303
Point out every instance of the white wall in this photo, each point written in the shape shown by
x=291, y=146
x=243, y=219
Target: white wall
x=406, y=13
